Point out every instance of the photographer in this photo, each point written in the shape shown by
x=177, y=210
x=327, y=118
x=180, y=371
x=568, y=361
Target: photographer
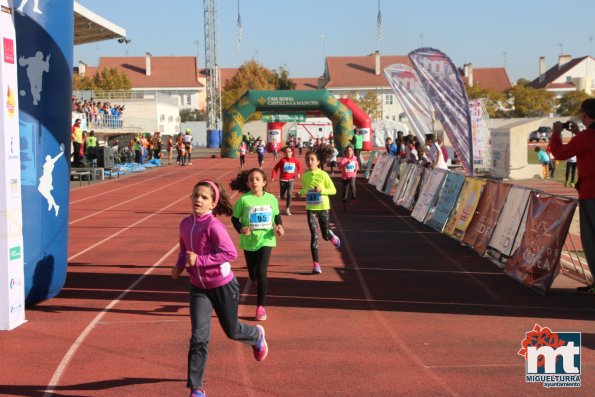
x=582, y=145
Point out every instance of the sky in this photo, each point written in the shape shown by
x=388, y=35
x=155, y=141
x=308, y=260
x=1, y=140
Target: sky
x=298, y=34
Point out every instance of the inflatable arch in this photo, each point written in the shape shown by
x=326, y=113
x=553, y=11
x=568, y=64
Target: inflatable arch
x=284, y=101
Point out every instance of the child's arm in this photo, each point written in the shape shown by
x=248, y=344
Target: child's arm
x=328, y=187
x=181, y=261
x=220, y=239
x=279, y=230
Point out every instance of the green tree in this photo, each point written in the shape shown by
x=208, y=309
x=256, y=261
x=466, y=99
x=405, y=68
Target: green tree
x=108, y=79
x=531, y=102
x=495, y=101
x=283, y=82
x=371, y=104
x=570, y=103
x=81, y=83
x=188, y=114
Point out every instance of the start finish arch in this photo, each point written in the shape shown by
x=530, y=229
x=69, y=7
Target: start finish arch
x=284, y=101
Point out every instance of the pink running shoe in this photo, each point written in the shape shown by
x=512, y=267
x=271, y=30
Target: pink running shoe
x=336, y=241
x=316, y=268
x=261, y=314
x=198, y=393
x=262, y=348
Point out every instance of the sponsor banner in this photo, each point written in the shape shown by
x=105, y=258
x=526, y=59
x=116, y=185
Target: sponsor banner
x=444, y=86
x=488, y=211
x=274, y=136
x=391, y=180
x=480, y=133
x=438, y=216
x=412, y=96
x=379, y=169
x=285, y=118
x=500, y=154
x=464, y=210
x=411, y=188
x=370, y=163
x=429, y=194
x=384, y=172
x=536, y=261
x=404, y=173
x=510, y=225
x=12, y=285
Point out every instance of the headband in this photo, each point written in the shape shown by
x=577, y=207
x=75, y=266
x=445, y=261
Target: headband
x=213, y=185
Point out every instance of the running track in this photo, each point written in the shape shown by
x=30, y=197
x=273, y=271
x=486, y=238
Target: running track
x=399, y=310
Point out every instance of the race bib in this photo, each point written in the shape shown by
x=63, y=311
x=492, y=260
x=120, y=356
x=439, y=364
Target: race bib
x=261, y=217
x=289, y=168
x=313, y=197
x=350, y=167
x=243, y=151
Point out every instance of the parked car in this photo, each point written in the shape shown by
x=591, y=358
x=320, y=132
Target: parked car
x=542, y=134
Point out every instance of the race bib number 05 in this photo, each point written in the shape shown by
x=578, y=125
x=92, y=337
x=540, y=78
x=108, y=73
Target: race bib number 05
x=261, y=217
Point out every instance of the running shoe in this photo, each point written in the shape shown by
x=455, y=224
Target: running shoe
x=353, y=202
x=336, y=241
x=316, y=268
x=261, y=314
x=287, y=212
x=588, y=290
x=198, y=393
x=262, y=348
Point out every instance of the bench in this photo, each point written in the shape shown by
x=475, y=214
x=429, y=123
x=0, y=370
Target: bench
x=78, y=176
x=110, y=172
x=94, y=171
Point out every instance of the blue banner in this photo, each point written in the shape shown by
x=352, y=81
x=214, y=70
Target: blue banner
x=45, y=39
x=446, y=90
x=438, y=216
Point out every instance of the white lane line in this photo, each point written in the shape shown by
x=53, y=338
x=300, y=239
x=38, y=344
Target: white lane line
x=389, y=330
x=79, y=341
x=452, y=260
x=151, y=192
x=436, y=303
x=127, y=185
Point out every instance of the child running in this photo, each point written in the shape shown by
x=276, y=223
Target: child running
x=242, y=150
x=317, y=186
x=256, y=217
x=260, y=151
x=205, y=252
x=349, y=167
x=290, y=168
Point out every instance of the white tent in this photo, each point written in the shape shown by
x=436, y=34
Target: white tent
x=387, y=128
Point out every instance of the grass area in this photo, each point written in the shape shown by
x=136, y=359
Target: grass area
x=559, y=174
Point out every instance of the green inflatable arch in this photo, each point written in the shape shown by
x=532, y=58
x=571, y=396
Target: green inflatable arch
x=284, y=101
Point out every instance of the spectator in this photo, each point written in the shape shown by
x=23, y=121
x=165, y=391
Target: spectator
x=76, y=136
x=544, y=160
x=582, y=145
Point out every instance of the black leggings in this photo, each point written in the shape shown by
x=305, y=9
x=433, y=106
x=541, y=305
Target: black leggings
x=349, y=184
x=258, y=264
x=570, y=168
x=314, y=219
x=287, y=188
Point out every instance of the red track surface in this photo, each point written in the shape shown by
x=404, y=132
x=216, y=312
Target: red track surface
x=399, y=309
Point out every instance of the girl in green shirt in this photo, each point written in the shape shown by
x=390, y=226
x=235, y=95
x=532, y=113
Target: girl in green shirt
x=317, y=186
x=256, y=217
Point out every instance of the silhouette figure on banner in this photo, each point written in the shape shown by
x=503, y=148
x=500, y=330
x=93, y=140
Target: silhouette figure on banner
x=35, y=65
x=35, y=7
x=46, y=180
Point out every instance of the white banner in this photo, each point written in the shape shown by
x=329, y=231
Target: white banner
x=413, y=98
x=511, y=223
x=12, y=286
x=480, y=134
x=411, y=187
x=404, y=175
x=429, y=194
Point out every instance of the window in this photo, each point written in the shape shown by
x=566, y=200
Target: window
x=188, y=100
x=388, y=99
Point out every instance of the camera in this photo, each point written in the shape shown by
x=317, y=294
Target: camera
x=567, y=125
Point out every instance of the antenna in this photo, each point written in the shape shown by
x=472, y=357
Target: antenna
x=590, y=44
x=378, y=27
x=421, y=38
x=561, y=45
x=504, y=56
x=239, y=28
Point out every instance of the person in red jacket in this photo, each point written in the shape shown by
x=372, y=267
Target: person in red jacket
x=290, y=168
x=582, y=145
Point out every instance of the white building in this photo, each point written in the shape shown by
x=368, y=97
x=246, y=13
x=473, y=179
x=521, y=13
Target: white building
x=568, y=75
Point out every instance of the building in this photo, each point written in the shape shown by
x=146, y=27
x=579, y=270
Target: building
x=568, y=75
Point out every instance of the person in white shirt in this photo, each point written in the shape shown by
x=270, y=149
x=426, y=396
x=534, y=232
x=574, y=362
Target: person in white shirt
x=435, y=153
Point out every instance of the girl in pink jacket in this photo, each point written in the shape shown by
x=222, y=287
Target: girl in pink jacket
x=205, y=252
x=349, y=167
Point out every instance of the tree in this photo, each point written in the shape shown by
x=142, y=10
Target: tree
x=109, y=79
x=570, y=103
x=188, y=114
x=371, y=104
x=495, y=101
x=283, y=82
x=531, y=102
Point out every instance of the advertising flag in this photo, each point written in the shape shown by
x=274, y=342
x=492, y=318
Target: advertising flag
x=429, y=194
x=536, y=261
x=438, y=216
x=446, y=91
x=413, y=98
x=465, y=208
